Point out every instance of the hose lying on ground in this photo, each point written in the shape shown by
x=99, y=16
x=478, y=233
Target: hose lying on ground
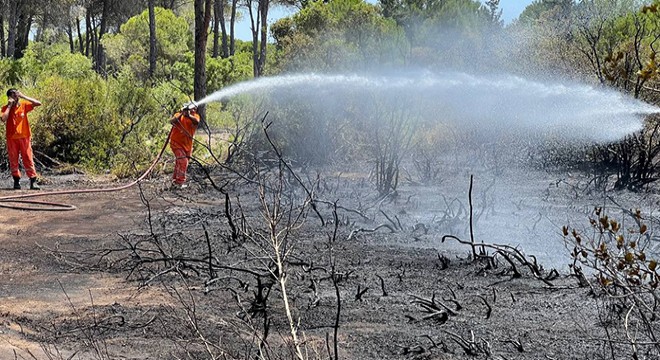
x=53, y=206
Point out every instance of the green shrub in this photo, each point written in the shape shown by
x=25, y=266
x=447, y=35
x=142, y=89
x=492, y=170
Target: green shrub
x=143, y=125
x=223, y=72
x=129, y=49
x=11, y=71
x=70, y=66
x=76, y=123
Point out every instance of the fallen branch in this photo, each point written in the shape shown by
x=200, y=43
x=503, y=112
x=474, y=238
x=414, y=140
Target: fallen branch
x=356, y=231
x=507, y=253
x=432, y=305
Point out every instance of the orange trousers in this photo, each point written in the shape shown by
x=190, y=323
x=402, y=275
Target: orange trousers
x=22, y=147
x=181, y=165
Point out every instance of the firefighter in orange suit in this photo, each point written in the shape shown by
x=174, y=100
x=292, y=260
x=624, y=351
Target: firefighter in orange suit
x=184, y=124
x=19, y=135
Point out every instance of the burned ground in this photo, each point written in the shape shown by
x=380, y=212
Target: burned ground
x=155, y=273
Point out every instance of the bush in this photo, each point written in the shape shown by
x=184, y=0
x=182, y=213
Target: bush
x=143, y=126
x=633, y=161
x=621, y=259
x=223, y=72
x=76, y=123
x=69, y=66
x=11, y=71
x=129, y=49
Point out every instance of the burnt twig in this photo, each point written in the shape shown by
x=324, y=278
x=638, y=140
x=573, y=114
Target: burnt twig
x=382, y=285
x=489, y=309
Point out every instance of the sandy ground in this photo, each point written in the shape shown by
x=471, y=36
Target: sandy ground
x=34, y=284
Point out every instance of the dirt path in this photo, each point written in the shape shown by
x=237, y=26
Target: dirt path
x=34, y=283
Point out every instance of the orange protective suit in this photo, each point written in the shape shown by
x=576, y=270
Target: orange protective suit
x=181, y=142
x=19, y=139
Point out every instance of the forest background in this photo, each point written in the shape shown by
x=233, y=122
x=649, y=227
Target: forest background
x=110, y=72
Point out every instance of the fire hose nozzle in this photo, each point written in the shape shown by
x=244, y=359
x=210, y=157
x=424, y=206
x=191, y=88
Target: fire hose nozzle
x=189, y=106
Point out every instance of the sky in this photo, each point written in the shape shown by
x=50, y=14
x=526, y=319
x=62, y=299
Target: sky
x=510, y=11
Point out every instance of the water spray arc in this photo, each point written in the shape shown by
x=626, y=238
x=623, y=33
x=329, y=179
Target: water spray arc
x=494, y=103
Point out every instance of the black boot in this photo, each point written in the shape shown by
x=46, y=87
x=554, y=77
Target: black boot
x=17, y=184
x=33, y=184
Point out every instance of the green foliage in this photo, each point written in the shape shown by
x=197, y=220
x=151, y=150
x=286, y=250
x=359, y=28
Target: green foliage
x=38, y=54
x=99, y=124
x=42, y=60
x=470, y=27
x=547, y=44
x=76, y=123
x=223, y=72
x=539, y=10
x=182, y=73
x=352, y=34
x=130, y=47
x=70, y=66
x=462, y=15
x=342, y=34
x=143, y=125
x=11, y=71
x=118, y=123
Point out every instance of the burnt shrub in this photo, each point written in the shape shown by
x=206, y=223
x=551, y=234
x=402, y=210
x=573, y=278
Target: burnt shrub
x=633, y=161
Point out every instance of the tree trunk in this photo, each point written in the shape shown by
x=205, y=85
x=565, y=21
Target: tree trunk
x=217, y=13
x=22, y=34
x=223, y=28
x=167, y=4
x=254, y=29
x=88, y=32
x=152, y=39
x=220, y=30
x=80, y=38
x=69, y=33
x=100, y=54
x=3, y=49
x=263, y=9
x=43, y=21
x=11, y=27
x=202, y=19
x=259, y=28
x=232, y=23
x=94, y=37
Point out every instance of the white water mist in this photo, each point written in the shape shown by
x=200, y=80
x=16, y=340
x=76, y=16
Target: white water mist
x=491, y=103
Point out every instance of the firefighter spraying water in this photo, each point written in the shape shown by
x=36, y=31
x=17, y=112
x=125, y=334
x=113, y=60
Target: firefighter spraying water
x=184, y=124
x=180, y=139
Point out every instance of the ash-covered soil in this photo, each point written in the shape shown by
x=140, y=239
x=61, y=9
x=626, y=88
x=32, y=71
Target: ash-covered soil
x=157, y=273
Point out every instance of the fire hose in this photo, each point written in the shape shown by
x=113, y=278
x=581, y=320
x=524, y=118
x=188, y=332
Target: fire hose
x=37, y=205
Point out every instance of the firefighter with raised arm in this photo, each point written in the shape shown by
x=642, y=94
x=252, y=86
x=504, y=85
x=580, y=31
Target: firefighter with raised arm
x=19, y=135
